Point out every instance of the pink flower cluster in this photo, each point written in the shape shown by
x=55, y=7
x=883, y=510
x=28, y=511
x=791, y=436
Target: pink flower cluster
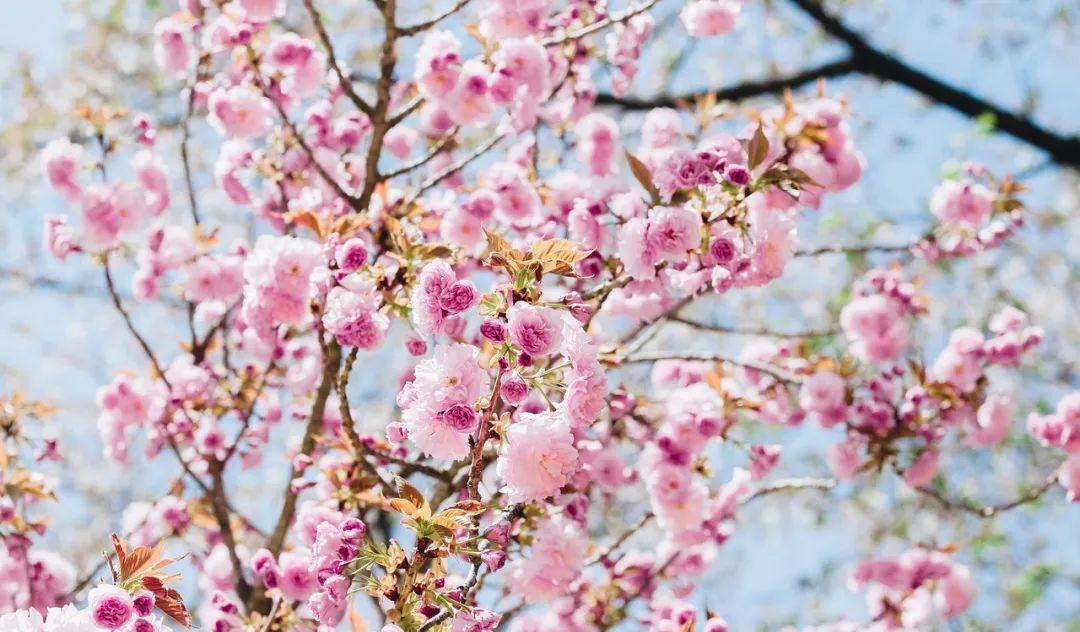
x=972, y=216
x=109, y=211
x=440, y=298
x=277, y=282
x=317, y=573
x=31, y=577
x=917, y=589
x=706, y=18
x=555, y=561
x=438, y=405
x=1061, y=429
x=875, y=322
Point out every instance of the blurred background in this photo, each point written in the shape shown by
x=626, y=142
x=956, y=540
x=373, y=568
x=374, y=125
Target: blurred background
x=60, y=338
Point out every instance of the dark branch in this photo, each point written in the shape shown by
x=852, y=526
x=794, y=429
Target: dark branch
x=874, y=62
x=738, y=91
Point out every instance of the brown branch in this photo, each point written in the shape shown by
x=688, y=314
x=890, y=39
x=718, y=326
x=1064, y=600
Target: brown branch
x=599, y=25
x=619, y=541
x=420, y=27
x=331, y=361
x=862, y=249
x=791, y=484
x=356, y=446
x=379, y=121
x=738, y=91
x=753, y=331
x=111, y=287
x=221, y=515
x=453, y=168
x=328, y=46
x=989, y=511
x=435, y=150
x=775, y=372
x=872, y=61
x=476, y=471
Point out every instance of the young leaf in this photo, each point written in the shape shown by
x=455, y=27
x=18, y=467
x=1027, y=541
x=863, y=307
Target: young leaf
x=757, y=149
x=168, y=601
x=641, y=173
x=557, y=256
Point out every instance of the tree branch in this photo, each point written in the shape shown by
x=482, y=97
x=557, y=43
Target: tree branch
x=989, y=511
x=737, y=91
x=874, y=62
x=331, y=360
x=775, y=372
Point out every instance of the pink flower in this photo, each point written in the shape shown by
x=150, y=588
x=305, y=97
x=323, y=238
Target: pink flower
x=469, y=102
x=876, y=328
x=152, y=176
x=506, y=18
x=661, y=128
x=295, y=579
x=763, y=458
x=351, y=255
x=961, y=203
x=60, y=164
x=239, y=112
x=352, y=316
x=845, y=458
x=638, y=255
x=955, y=592
x=458, y=297
x=1069, y=477
x=555, y=561
x=923, y=470
x=110, y=606
x=400, y=140
x=451, y=377
x=172, y=46
x=215, y=277
x=301, y=63
x=524, y=64
x=262, y=10
x=992, y=421
x=959, y=363
x=537, y=330
x=598, y=137
x=59, y=238
x=823, y=394
x=538, y=457
x=438, y=62
x=678, y=497
x=513, y=389
x=773, y=235
x=516, y=199
x=704, y=18
x=277, y=284
x=234, y=156
x=673, y=230
x=427, y=313
x=475, y=620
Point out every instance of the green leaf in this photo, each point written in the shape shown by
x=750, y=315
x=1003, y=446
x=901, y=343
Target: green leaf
x=986, y=123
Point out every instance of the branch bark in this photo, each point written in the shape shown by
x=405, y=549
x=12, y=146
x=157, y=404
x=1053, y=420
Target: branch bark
x=739, y=91
x=872, y=61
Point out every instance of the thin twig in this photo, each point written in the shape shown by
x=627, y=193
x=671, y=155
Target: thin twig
x=328, y=46
x=420, y=27
x=989, y=511
x=599, y=25
x=753, y=331
x=775, y=372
